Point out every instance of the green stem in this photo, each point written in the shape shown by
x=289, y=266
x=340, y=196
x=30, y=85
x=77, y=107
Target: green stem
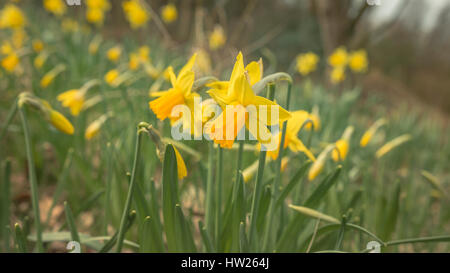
x=219, y=195
x=276, y=181
x=33, y=182
x=444, y=238
x=126, y=210
x=209, y=206
x=258, y=184
x=108, y=187
x=238, y=169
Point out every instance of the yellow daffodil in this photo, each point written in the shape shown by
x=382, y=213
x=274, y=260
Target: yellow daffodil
x=318, y=165
x=12, y=17
x=217, y=38
x=337, y=75
x=40, y=59
x=75, y=98
x=339, y=58
x=57, y=7
x=291, y=140
x=103, y=5
x=94, y=128
x=37, y=45
x=342, y=145
x=48, y=78
x=386, y=148
x=135, y=13
x=139, y=57
x=169, y=13
x=114, y=53
x=307, y=63
x=10, y=62
x=236, y=97
x=358, y=61
x=6, y=48
x=70, y=25
x=368, y=135
x=94, y=44
x=60, y=122
x=111, y=76
x=95, y=16
x=180, y=93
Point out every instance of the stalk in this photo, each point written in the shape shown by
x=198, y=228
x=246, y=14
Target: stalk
x=209, y=220
x=238, y=169
x=258, y=184
x=33, y=182
x=276, y=181
x=219, y=195
x=123, y=221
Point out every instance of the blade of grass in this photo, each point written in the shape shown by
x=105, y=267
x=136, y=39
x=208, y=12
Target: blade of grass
x=33, y=181
x=71, y=223
x=121, y=235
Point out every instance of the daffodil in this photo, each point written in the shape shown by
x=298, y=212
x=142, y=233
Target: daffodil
x=237, y=96
x=12, y=17
x=40, y=59
x=358, y=61
x=339, y=58
x=291, y=140
x=179, y=94
x=103, y=5
x=111, y=76
x=114, y=53
x=6, y=48
x=75, y=98
x=48, y=78
x=10, y=62
x=317, y=166
x=386, y=148
x=169, y=13
x=37, y=45
x=139, y=57
x=181, y=166
x=337, y=75
x=135, y=13
x=57, y=7
x=342, y=145
x=94, y=128
x=217, y=38
x=307, y=63
x=368, y=135
x=95, y=16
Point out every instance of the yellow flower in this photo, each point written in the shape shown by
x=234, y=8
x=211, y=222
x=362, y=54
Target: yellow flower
x=318, y=165
x=95, y=16
x=342, y=145
x=48, y=78
x=337, y=75
x=94, y=128
x=339, y=58
x=102, y=5
x=111, y=76
x=94, y=44
x=181, y=166
x=217, y=38
x=236, y=95
x=169, y=13
x=69, y=25
x=139, y=57
x=180, y=93
x=38, y=46
x=10, y=62
x=307, y=63
x=57, y=7
x=114, y=53
x=358, y=61
x=367, y=137
x=6, y=48
x=40, y=59
x=75, y=98
x=291, y=140
x=60, y=122
x=12, y=17
x=135, y=13
x=143, y=53
x=392, y=144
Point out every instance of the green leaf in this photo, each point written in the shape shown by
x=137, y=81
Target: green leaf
x=315, y=214
x=392, y=215
x=71, y=223
x=243, y=242
x=293, y=182
x=170, y=198
x=185, y=234
x=205, y=237
x=111, y=242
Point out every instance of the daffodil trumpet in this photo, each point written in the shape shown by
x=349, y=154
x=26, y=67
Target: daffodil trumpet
x=318, y=165
x=48, y=78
